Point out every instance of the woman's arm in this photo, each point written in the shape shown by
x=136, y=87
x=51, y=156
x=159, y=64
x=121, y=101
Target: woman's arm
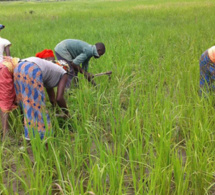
x=60, y=92
x=7, y=50
x=51, y=95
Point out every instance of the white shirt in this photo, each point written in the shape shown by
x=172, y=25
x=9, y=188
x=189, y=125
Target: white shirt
x=3, y=43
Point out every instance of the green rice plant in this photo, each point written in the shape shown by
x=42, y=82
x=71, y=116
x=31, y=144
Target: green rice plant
x=145, y=131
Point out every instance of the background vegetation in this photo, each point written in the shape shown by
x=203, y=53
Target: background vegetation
x=144, y=132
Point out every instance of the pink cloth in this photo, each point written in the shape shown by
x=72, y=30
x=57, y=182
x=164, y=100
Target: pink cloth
x=7, y=91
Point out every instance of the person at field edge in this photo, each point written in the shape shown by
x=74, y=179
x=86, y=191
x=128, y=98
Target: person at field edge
x=207, y=70
x=4, y=45
x=30, y=77
x=76, y=52
x=7, y=91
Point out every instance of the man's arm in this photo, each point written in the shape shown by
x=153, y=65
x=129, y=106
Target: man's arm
x=83, y=58
x=87, y=75
x=85, y=65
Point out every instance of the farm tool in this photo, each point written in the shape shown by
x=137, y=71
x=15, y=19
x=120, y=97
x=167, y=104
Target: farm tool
x=108, y=73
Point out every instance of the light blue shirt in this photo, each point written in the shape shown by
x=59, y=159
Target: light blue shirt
x=76, y=51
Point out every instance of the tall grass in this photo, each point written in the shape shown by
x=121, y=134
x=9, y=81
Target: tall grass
x=146, y=131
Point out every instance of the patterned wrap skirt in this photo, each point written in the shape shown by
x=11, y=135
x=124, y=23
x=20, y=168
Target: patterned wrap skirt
x=207, y=73
x=31, y=97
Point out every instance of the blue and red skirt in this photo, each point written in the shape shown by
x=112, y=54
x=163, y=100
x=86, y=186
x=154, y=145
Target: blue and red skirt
x=31, y=97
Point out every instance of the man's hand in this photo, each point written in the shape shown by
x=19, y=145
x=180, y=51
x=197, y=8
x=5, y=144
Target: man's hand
x=88, y=76
x=93, y=83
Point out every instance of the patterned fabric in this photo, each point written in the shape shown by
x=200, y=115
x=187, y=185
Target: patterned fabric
x=10, y=63
x=207, y=72
x=63, y=64
x=31, y=97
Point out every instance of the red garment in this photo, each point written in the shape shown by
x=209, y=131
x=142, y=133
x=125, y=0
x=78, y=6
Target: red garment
x=46, y=53
x=7, y=91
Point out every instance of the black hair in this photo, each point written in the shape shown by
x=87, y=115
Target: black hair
x=100, y=46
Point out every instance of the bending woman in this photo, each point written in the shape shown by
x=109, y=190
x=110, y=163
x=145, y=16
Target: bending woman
x=30, y=78
x=7, y=91
x=207, y=69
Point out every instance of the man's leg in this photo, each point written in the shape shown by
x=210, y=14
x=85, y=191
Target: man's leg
x=76, y=79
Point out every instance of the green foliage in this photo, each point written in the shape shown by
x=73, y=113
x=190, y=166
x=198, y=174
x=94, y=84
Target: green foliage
x=146, y=131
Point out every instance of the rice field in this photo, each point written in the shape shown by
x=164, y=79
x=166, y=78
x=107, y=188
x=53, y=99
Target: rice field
x=145, y=131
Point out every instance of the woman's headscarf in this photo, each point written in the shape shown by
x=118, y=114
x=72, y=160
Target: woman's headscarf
x=1, y=26
x=46, y=53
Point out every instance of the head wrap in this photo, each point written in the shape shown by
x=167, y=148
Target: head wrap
x=46, y=53
x=1, y=26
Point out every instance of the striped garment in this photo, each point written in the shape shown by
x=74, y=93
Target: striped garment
x=31, y=97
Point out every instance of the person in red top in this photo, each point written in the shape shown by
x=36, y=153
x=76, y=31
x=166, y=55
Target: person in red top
x=7, y=91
